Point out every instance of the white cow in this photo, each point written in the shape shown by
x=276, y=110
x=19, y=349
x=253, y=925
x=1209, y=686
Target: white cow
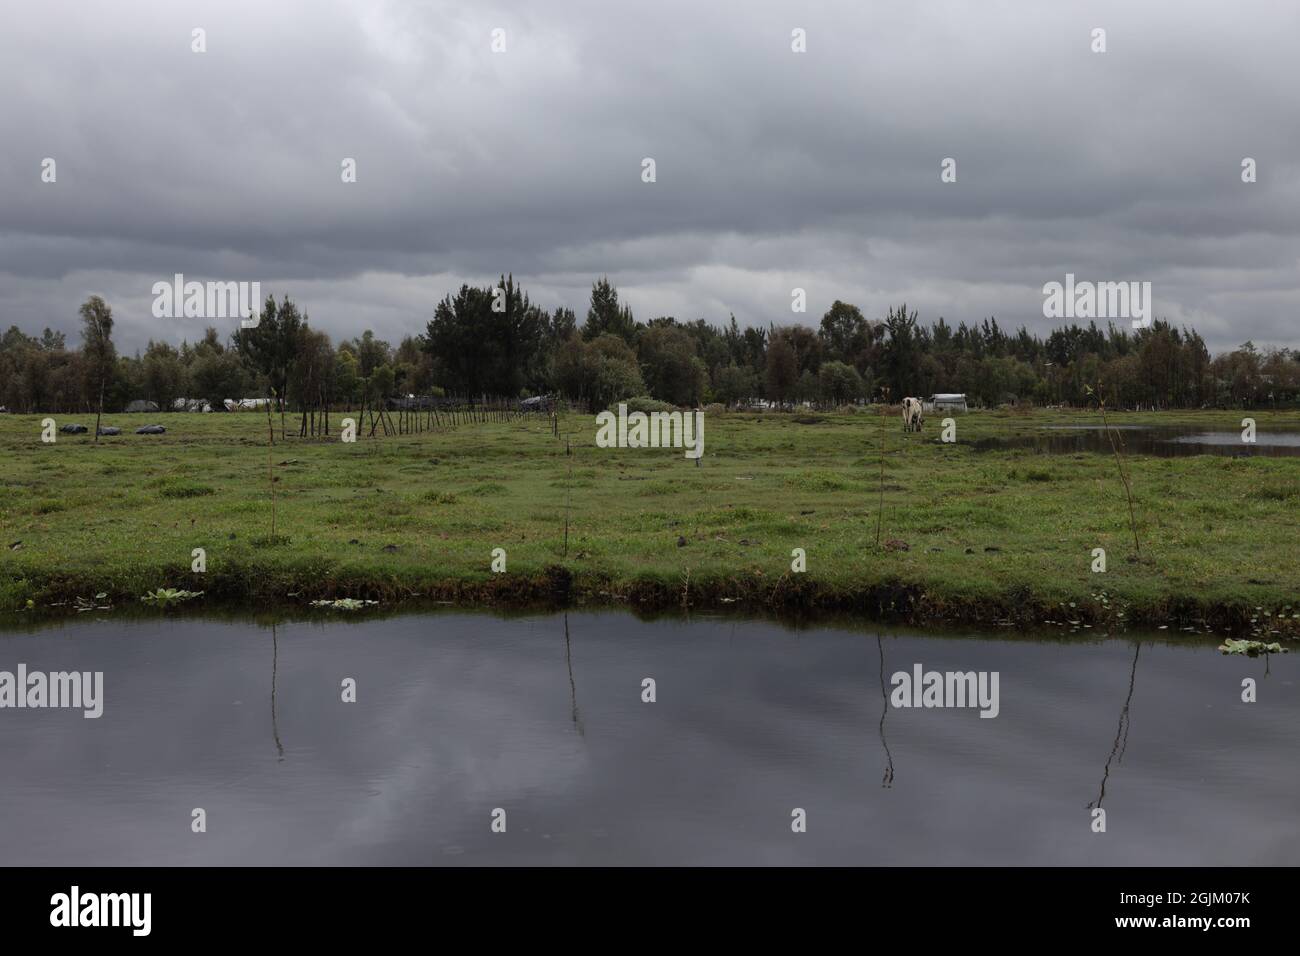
x=913, y=415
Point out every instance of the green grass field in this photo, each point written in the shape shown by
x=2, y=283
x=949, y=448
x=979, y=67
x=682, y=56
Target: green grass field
x=992, y=536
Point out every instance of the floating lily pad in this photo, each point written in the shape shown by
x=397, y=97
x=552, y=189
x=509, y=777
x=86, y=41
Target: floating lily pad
x=1250, y=648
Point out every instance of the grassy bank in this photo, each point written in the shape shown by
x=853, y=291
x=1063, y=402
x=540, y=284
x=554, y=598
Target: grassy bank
x=991, y=536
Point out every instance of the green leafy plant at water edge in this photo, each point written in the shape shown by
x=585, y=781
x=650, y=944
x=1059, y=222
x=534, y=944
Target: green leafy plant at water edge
x=170, y=596
x=1250, y=648
x=343, y=604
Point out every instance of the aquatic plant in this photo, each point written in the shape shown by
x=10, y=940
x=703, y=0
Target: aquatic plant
x=1250, y=648
x=343, y=604
x=170, y=596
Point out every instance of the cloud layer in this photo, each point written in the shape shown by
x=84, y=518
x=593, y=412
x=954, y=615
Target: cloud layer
x=774, y=169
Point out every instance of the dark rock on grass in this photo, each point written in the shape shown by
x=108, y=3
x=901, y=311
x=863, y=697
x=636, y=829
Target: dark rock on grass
x=894, y=544
x=990, y=549
x=354, y=541
x=110, y=430
x=970, y=550
x=390, y=548
x=681, y=542
x=74, y=429
x=150, y=430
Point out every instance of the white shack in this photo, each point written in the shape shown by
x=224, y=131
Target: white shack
x=948, y=402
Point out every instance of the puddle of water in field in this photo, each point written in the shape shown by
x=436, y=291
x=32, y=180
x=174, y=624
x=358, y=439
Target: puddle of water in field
x=1166, y=442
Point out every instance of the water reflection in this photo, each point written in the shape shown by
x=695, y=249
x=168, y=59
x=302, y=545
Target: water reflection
x=463, y=713
x=888, y=779
x=1165, y=442
x=275, y=659
x=1121, y=733
x=573, y=687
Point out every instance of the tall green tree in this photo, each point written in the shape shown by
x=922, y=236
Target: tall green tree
x=270, y=347
x=782, y=369
x=97, y=349
x=606, y=317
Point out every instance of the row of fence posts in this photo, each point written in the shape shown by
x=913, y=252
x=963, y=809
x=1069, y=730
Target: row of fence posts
x=430, y=415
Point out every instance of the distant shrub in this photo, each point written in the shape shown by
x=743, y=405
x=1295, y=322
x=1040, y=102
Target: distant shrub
x=646, y=404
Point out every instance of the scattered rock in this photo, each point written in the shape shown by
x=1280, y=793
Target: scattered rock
x=935, y=550
x=16, y=545
x=893, y=544
x=390, y=548
x=970, y=550
x=354, y=541
x=990, y=549
x=74, y=429
x=110, y=430
x=150, y=430
x=681, y=541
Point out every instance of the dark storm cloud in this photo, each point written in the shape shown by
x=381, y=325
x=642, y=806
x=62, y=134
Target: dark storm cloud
x=775, y=169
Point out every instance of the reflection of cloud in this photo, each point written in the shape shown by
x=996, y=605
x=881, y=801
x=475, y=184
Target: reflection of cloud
x=458, y=714
x=774, y=168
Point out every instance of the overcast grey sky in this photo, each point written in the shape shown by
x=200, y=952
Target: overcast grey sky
x=775, y=169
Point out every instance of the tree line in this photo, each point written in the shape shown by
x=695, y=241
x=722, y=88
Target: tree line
x=496, y=341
